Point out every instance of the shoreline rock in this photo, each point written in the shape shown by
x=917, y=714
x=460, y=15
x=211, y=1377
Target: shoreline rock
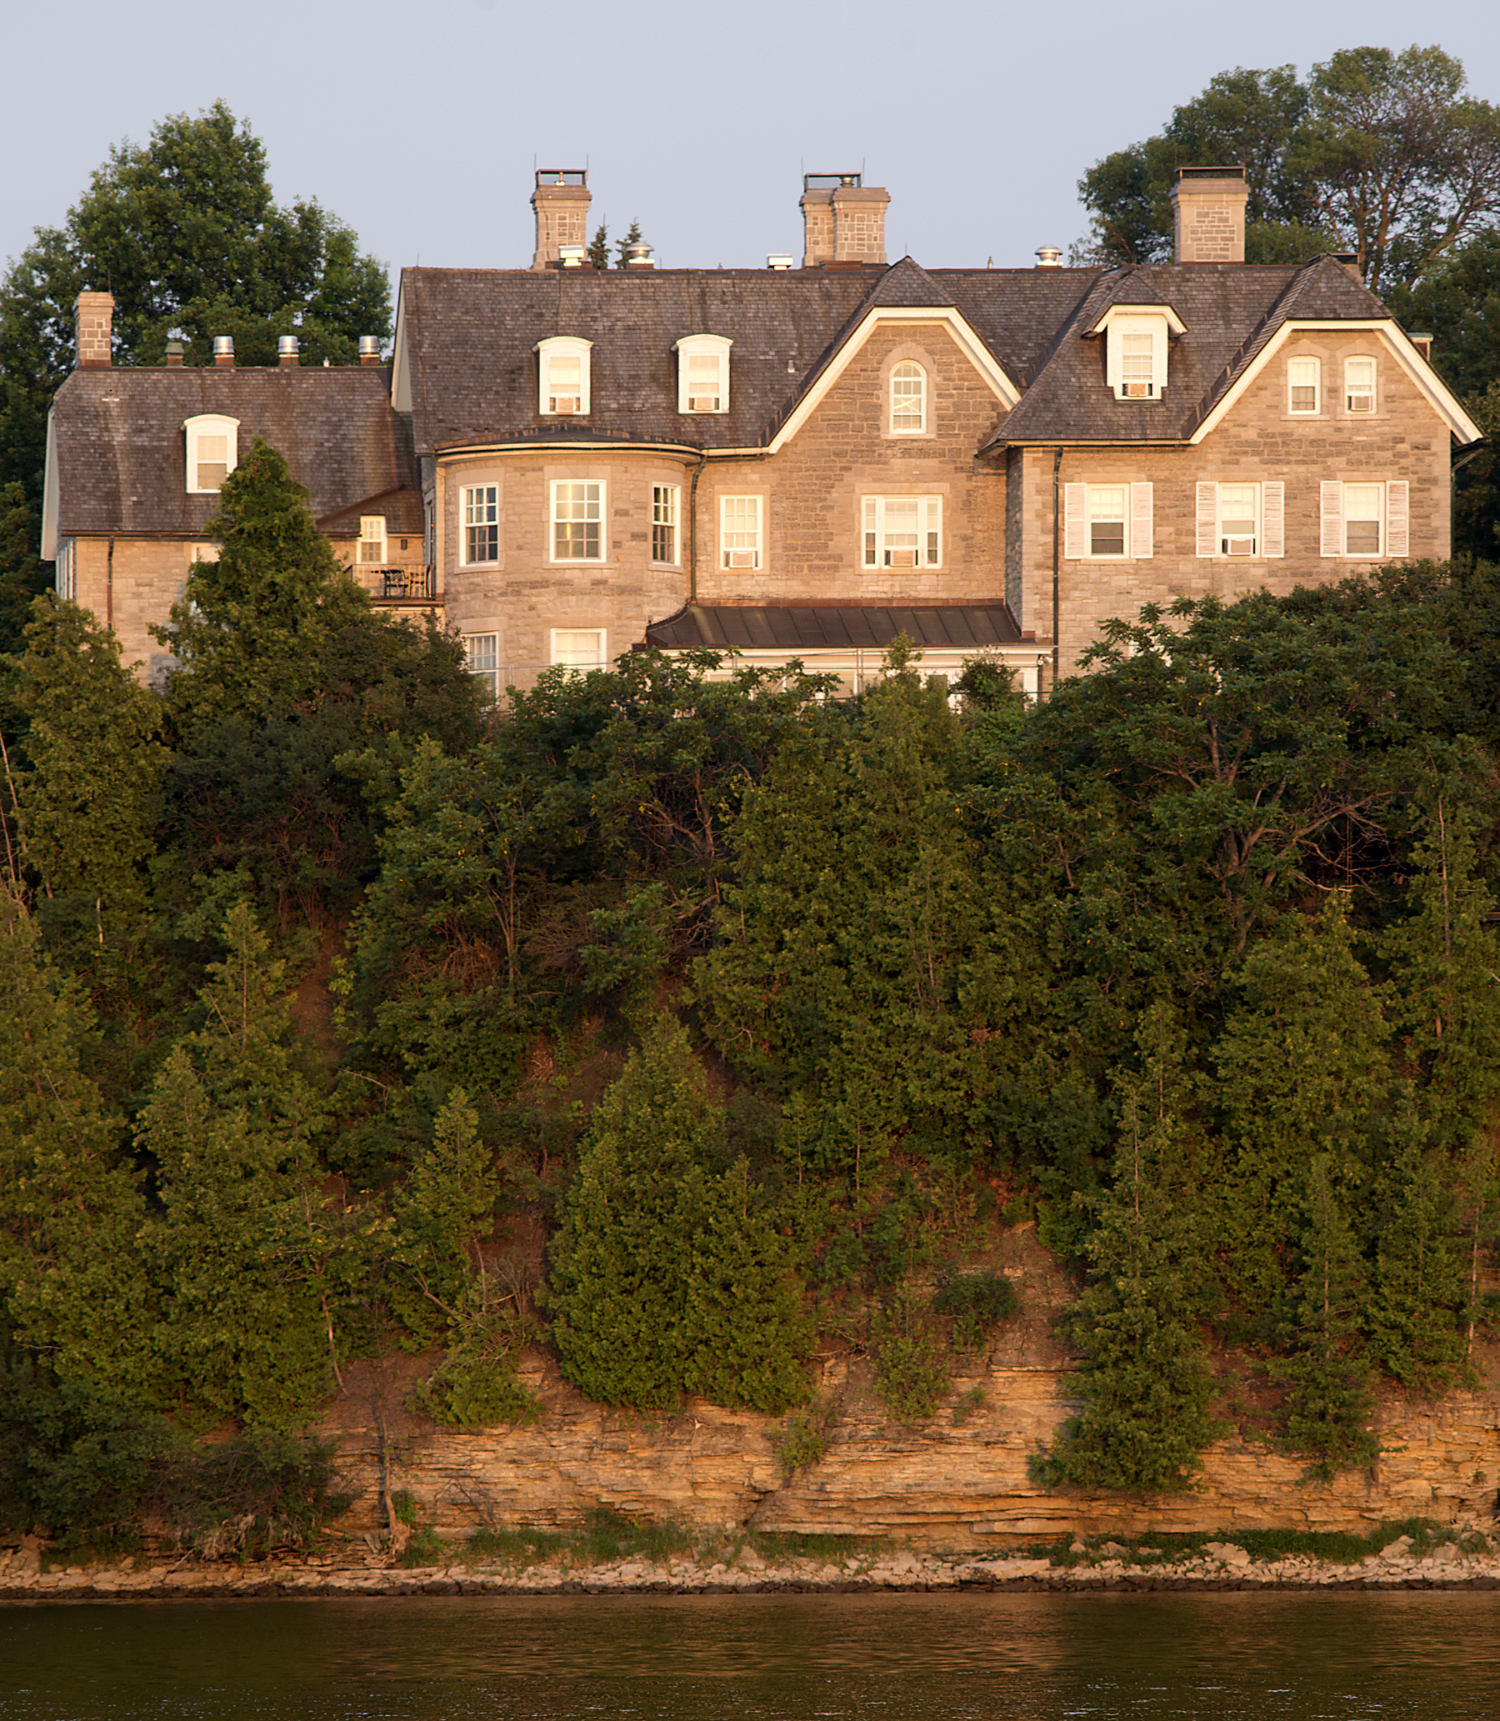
x=1221, y=1566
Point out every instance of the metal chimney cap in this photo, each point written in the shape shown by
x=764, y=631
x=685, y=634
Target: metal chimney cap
x=1048, y=257
x=286, y=344
x=369, y=344
x=224, y=344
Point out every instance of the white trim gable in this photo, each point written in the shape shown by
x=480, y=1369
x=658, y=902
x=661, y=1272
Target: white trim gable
x=963, y=336
x=1439, y=396
x=400, y=362
x=51, y=501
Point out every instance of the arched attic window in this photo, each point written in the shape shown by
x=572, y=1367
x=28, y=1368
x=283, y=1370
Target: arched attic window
x=703, y=373
x=563, y=376
x=212, y=448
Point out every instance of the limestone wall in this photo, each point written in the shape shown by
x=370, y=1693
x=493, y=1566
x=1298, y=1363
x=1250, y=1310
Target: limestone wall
x=959, y=1481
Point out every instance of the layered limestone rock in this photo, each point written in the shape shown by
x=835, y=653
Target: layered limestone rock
x=961, y=1480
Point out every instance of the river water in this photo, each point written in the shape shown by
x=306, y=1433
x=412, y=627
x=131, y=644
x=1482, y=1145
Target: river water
x=979, y=1656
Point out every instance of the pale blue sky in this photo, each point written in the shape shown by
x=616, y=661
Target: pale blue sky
x=419, y=124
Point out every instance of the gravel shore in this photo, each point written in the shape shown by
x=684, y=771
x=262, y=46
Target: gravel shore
x=1220, y=1566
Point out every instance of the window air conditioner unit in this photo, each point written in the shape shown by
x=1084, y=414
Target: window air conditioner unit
x=901, y=558
x=1136, y=390
x=1239, y=546
x=703, y=403
x=739, y=558
x=566, y=403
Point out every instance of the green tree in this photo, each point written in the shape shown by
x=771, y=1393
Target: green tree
x=1329, y=1403
x=231, y=1124
x=599, y=247
x=185, y=233
x=1378, y=153
x=22, y=576
x=622, y=246
x=1146, y=1383
x=71, y=1203
x=249, y=628
x=89, y=797
x=668, y=1276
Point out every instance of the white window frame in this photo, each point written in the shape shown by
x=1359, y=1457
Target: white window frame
x=478, y=511
x=1359, y=391
x=1308, y=365
x=1124, y=383
x=919, y=395
x=65, y=570
x=878, y=525
x=550, y=399
x=372, y=538
x=1268, y=520
x=556, y=649
x=195, y=430
x=1078, y=522
x=1394, y=519
x=560, y=491
x=666, y=524
x=742, y=555
x=702, y=346
x=482, y=653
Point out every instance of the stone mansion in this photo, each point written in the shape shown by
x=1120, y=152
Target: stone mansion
x=792, y=462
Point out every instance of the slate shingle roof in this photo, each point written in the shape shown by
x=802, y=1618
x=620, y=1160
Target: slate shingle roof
x=1230, y=311
x=824, y=627
x=120, y=453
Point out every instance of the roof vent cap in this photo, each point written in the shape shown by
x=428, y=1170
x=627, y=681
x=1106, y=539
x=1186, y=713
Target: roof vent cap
x=286, y=350
x=223, y=350
x=572, y=256
x=369, y=349
x=779, y=260
x=1048, y=257
x=639, y=255
x=174, y=353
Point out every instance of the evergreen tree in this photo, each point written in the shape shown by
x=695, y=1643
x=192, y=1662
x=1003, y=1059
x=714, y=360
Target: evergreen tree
x=1329, y=1403
x=668, y=1277
x=1146, y=1384
x=599, y=247
x=622, y=246
x=89, y=799
x=71, y=1205
x=22, y=576
x=250, y=628
x=231, y=1124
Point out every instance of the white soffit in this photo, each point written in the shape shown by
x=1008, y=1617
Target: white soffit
x=1439, y=396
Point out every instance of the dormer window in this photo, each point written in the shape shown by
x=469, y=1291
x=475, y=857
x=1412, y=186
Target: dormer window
x=563, y=376
x=372, y=539
x=703, y=373
x=212, y=452
x=1135, y=349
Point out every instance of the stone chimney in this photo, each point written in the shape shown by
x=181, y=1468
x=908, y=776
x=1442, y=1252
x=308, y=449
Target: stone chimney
x=843, y=221
x=1208, y=215
x=93, y=325
x=561, y=201
x=174, y=355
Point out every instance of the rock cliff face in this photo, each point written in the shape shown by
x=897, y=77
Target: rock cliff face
x=959, y=1481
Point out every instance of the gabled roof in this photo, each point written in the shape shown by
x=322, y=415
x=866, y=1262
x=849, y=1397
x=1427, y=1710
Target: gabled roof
x=118, y=442
x=1231, y=312
x=834, y=627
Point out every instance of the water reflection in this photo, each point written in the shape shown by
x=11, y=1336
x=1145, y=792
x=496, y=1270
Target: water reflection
x=850, y=1658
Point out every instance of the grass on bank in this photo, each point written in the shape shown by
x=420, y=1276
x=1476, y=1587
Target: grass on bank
x=608, y=1537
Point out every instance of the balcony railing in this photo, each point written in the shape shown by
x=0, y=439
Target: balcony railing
x=409, y=585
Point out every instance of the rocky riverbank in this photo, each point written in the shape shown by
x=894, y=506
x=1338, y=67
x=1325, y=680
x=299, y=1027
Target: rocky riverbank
x=1469, y=1561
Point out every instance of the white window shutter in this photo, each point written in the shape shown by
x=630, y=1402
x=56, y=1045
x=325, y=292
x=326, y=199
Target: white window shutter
x=1397, y=517
x=1273, y=519
x=1140, y=521
x=932, y=525
x=1331, y=503
x=1075, y=510
x=1159, y=360
x=1208, y=517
